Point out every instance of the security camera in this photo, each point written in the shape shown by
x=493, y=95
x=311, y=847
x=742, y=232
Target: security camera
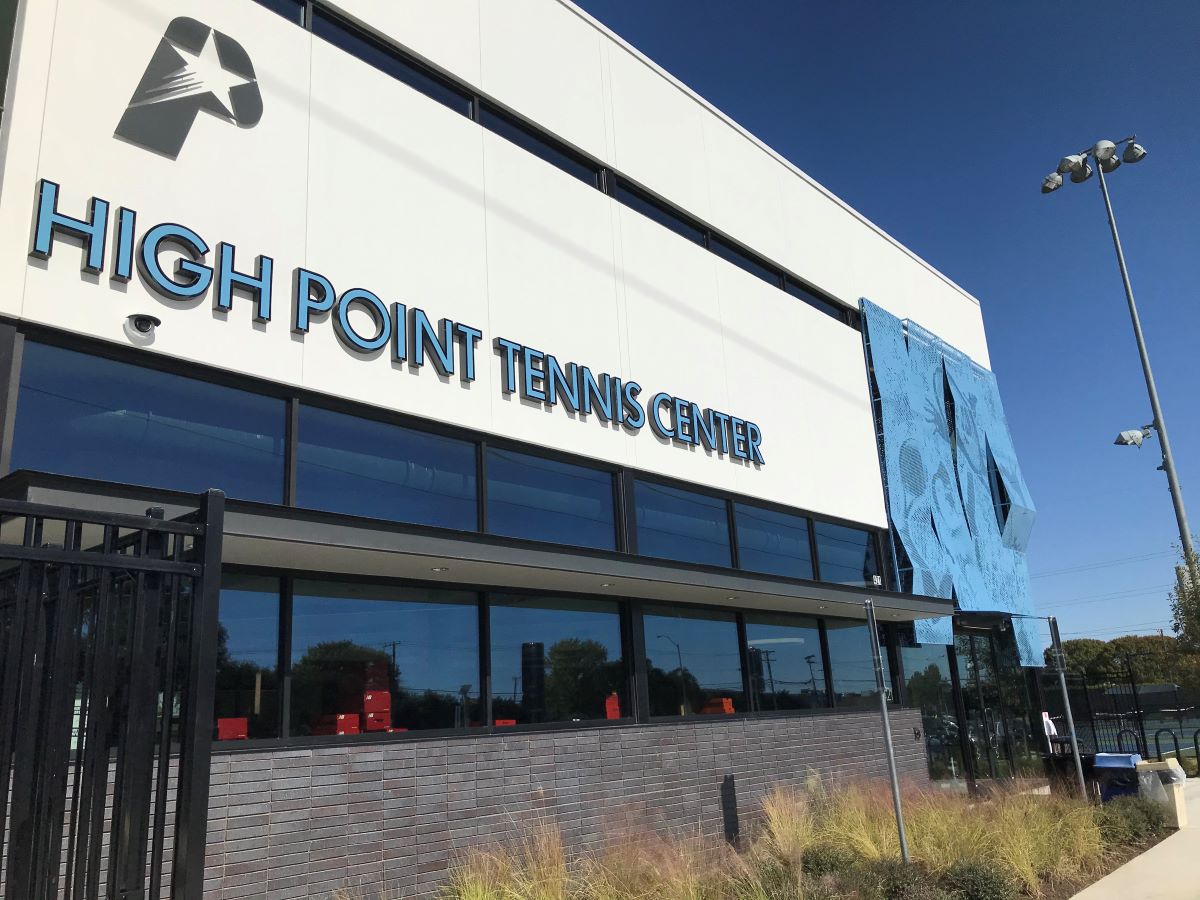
x=140, y=327
x=143, y=323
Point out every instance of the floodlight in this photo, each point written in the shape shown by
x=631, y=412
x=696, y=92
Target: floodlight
x=1104, y=150
x=1081, y=175
x=1132, y=438
x=1051, y=182
x=1134, y=152
x=1072, y=163
x=1110, y=164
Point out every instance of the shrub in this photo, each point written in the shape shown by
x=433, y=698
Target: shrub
x=1133, y=821
x=827, y=859
x=970, y=880
x=891, y=879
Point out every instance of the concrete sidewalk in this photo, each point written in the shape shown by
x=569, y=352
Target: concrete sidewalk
x=1168, y=871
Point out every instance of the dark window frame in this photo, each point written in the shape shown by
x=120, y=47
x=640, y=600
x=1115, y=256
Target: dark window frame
x=630, y=610
x=537, y=142
x=624, y=476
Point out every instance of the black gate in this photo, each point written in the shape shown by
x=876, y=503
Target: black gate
x=107, y=655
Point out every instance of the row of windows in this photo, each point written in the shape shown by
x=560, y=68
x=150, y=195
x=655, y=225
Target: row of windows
x=94, y=417
x=462, y=99
x=369, y=657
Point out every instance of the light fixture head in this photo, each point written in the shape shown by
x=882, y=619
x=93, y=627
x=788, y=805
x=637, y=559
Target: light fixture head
x=1134, y=152
x=1073, y=163
x=1083, y=174
x=1104, y=150
x=1110, y=164
x=1133, y=437
x=1051, y=183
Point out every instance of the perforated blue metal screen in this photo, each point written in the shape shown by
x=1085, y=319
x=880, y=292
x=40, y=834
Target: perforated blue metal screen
x=960, y=511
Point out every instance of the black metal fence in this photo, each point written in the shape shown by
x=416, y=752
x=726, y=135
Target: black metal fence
x=107, y=653
x=1119, y=711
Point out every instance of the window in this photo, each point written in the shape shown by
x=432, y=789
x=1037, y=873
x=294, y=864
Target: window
x=815, y=300
x=846, y=555
x=546, y=500
x=92, y=417
x=377, y=658
x=540, y=146
x=247, y=691
x=556, y=660
x=693, y=662
x=928, y=687
x=743, y=260
x=660, y=212
x=677, y=524
x=367, y=468
x=787, y=668
x=851, y=667
x=388, y=61
x=292, y=10
x=773, y=542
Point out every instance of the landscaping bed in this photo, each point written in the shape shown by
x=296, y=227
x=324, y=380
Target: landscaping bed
x=815, y=844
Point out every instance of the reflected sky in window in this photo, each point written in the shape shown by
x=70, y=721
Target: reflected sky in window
x=681, y=525
x=92, y=417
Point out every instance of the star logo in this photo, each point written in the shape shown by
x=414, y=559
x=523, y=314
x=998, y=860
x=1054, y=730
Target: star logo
x=195, y=69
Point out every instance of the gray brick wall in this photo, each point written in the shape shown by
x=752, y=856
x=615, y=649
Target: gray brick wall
x=299, y=823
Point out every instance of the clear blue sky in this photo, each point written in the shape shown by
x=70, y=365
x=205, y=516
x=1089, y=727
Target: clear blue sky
x=938, y=120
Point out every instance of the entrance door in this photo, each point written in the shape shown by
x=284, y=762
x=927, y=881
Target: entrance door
x=996, y=706
x=986, y=724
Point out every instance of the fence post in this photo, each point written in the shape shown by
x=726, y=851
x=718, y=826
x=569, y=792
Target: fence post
x=1137, y=706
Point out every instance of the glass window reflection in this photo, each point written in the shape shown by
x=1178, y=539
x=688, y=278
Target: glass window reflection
x=773, y=542
x=547, y=500
x=682, y=525
x=693, y=664
x=92, y=417
x=378, y=658
x=366, y=468
x=927, y=686
x=846, y=555
x=246, y=703
x=851, y=667
x=556, y=660
x=787, y=670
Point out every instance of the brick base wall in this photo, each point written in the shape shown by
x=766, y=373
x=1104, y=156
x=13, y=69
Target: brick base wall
x=300, y=823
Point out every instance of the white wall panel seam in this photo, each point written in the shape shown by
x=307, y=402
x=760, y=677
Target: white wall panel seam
x=730, y=122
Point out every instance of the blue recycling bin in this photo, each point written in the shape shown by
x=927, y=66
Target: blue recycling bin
x=1116, y=775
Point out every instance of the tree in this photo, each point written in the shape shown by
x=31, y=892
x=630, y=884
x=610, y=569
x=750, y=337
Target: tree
x=1185, y=603
x=579, y=678
x=1086, y=655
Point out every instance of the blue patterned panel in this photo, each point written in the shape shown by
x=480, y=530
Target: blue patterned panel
x=959, y=507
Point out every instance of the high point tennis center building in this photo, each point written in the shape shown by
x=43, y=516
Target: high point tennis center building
x=564, y=427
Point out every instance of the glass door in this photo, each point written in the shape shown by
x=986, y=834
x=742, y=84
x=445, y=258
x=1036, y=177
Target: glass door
x=989, y=737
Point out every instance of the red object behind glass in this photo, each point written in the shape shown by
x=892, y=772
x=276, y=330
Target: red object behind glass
x=233, y=729
x=612, y=706
x=377, y=702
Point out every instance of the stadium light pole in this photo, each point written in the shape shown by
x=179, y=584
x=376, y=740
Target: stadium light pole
x=1079, y=167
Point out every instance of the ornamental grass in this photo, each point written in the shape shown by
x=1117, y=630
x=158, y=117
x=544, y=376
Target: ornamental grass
x=813, y=843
